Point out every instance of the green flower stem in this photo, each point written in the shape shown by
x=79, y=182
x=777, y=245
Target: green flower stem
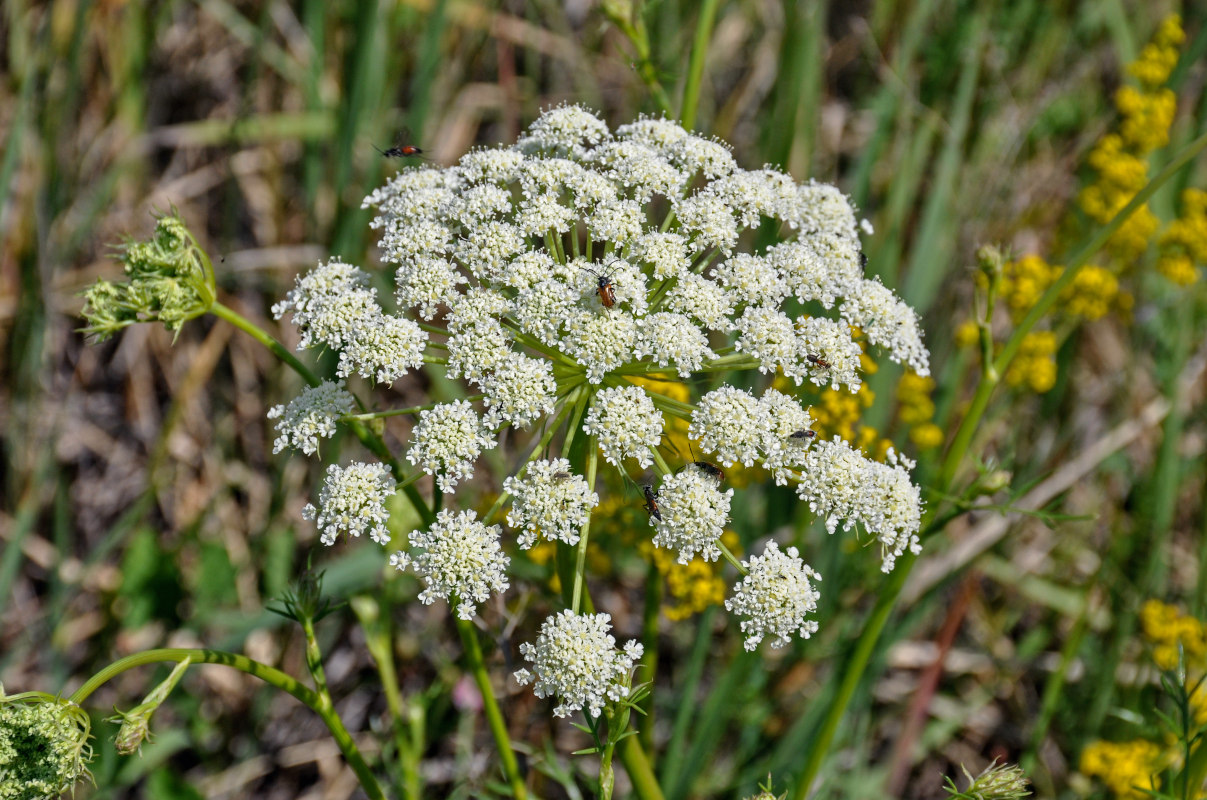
x=576, y=418
x=634, y=31
x=852, y=674
x=580, y=564
x=733, y=361
x=494, y=717
x=695, y=68
x=649, y=642
x=731, y=558
x=430, y=328
x=660, y=462
x=285, y=682
x=607, y=778
x=434, y=360
x=367, y=437
x=641, y=774
x=397, y=412
x=980, y=401
x=262, y=336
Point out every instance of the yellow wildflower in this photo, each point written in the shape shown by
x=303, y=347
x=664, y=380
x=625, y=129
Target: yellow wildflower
x=1127, y=768
x=968, y=334
x=1024, y=281
x=926, y=436
x=1159, y=56
x=1092, y=293
x=1035, y=364
x=1165, y=628
x=1146, y=117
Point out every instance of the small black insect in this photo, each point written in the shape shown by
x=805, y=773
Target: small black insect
x=802, y=434
x=401, y=149
x=651, y=502
x=710, y=469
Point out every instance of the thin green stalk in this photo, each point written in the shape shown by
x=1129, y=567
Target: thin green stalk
x=853, y=671
x=494, y=717
x=580, y=564
x=270, y=675
x=649, y=642
x=367, y=437
x=980, y=401
x=397, y=412
x=695, y=68
x=634, y=31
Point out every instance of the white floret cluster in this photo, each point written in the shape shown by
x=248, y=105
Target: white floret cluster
x=575, y=659
x=551, y=274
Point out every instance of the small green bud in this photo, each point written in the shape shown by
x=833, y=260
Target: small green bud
x=993, y=482
x=991, y=259
x=44, y=745
x=766, y=792
x=169, y=280
x=996, y=782
x=136, y=723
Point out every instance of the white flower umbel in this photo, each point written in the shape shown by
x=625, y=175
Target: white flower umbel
x=311, y=416
x=693, y=512
x=828, y=354
x=383, y=348
x=775, y=596
x=550, y=502
x=427, y=283
x=627, y=423
x=730, y=423
x=785, y=434
x=768, y=335
x=520, y=391
x=601, y=342
x=353, y=501
x=888, y=322
x=328, y=304
x=575, y=659
x=446, y=442
x=671, y=339
x=841, y=485
x=461, y=559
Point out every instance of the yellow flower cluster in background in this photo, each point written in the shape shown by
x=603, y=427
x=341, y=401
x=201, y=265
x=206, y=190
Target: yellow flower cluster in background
x=1121, y=162
x=917, y=409
x=1127, y=768
x=694, y=586
x=1165, y=627
x=1035, y=364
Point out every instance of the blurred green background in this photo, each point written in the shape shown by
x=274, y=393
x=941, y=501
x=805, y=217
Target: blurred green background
x=141, y=505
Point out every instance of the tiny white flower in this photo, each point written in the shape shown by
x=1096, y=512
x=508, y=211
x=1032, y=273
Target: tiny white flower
x=627, y=423
x=707, y=221
x=543, y=308
x=620, y=221
x=730, y=423
x=752, y=280
x=842, y=486
x=311, y=416
x=542, y=214
x=550, y=502
x=565, y=130
x=768, y=335
x=498, y=165
x=461, y=558
x=478, y=305
x=702, y=300
x=408, y=238
x=693, y=512
x=785, y=434
x=866, y=226
x=328, y=303
x=575, y=659
x=815, y=270
x=447, y=441
x=427, y=283
x=487, y=247
x=640, y=169
x=383, y=349
x=475, y=350
x=666, y=253
x=775, y=597
x=888, y=322
x=823, y=207
x=519, y=391
x=600, y=341
x=826, y=350
x=672, y=339
x=353, y=501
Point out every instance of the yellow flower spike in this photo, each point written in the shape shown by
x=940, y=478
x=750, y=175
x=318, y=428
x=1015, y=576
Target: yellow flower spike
x=1092, y=292
x=1035, y=366
x=1126, y=768
x=1178, y=269
x=1160, y=56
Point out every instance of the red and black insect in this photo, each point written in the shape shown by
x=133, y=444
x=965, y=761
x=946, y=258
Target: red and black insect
x=651, y=502
x=818, y=361
x=604, y=287
x=802, y=434
x=710, y=469
x=401, y=149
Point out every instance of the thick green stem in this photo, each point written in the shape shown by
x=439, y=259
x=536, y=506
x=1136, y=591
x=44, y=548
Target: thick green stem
x=607, y=777
x=695, y=69
x=641, y=775
x=494, y=717
x=284, y=682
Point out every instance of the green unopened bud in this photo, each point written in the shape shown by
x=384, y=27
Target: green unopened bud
x=993, y=482
x=991, y=259
x=44, y=747
x=996, y=782
x=766, y=792
x=169, y=279
x=136, y=723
